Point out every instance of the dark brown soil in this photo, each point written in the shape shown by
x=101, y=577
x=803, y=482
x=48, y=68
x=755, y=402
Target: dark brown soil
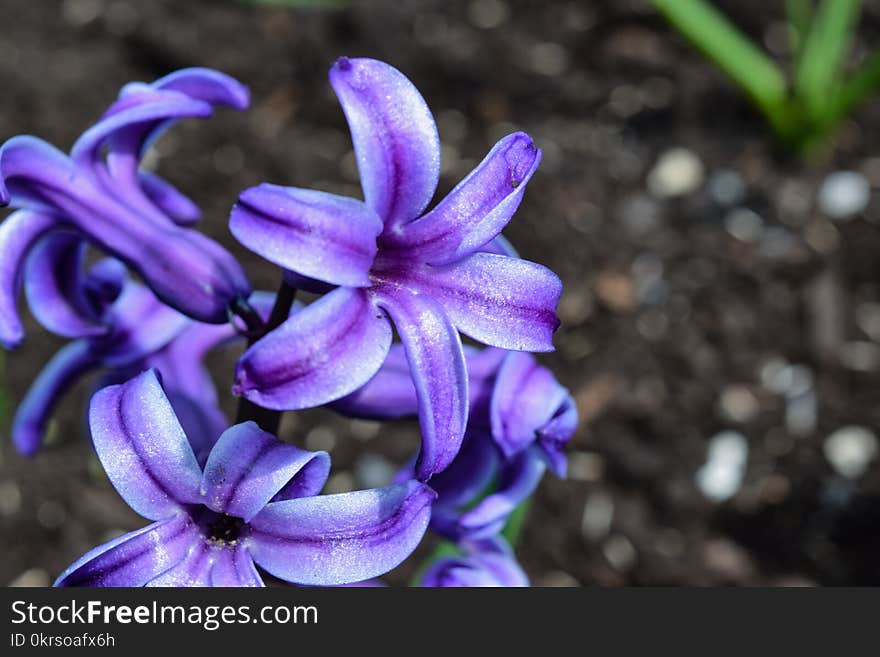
x=664, y=308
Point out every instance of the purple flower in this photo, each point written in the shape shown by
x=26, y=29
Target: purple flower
x=255, y=502
x=486, y=562
x=99, y=194
x=117, y=325
x=429, y=273
x=520, y=421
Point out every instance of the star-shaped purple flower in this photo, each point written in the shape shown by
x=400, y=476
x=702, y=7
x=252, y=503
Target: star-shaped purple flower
x=429, y=273
x=255, y=502
x=99, y=194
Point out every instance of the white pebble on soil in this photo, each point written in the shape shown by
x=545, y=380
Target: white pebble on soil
x=722, y=474
x=850, y=450
x=844, y=194
x=678, y=172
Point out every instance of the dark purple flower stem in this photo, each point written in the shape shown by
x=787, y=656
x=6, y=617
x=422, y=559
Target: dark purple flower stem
x=247, y=410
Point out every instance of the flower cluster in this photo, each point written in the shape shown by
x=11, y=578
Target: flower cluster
x=227, y=502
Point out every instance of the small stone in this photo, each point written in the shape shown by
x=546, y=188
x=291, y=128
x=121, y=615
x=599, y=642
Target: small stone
x=652, y=324
x=721, y=476
x=844, y=194
x=850, y=450
x=728, y=560
x=32, y=578
x=744, y=224
x=801, y=413
x=727, y=188
x=341, y=482
x=557, y=579
x=620, y=552
x=575, y=306
x=670, y=543
x=10, y=498
x=487, y=14
x=793, y=202
x=678, y=172
x=548, y=59
x=597, y=516
x=320, y=439
x=81, y=12
x=616, y=290
x=373, y=471
x=738, y=404
x=364, y=430
x=771, y=374
x=585, y=466
x=868, y=319
x=51, y=514
x=228, y=159
x=860, y=356
x=640, y=214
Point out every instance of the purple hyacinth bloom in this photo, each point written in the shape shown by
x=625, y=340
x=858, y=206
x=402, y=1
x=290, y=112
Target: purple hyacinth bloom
x=483, y=563
x=254, y=503
x=432, y=274
x=99, y=194
x=119, y=326
x=520, y=420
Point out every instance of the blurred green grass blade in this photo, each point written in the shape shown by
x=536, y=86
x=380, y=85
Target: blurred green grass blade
x=733, y=53
x=855, y=90
x=799, y=14
x=820, y=64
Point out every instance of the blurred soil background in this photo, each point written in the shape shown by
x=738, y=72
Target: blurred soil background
x=721, y=315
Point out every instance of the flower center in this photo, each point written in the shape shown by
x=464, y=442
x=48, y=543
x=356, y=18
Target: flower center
x=219, y=527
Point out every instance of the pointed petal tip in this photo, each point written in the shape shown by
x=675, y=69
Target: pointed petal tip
x=342, y=64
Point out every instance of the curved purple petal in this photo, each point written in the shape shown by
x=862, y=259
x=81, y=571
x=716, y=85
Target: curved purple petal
x=188, y=271
x=165, y=196
x=390, y=394
x=193, y=571
x=318, y=235
x=234, y=567
x=470, y=474
x=338, y=539
x=499, y=301
x=26, y=165
x=55, y=287
x=434, y=352
x=208, y=85
x=526, y=397
x=134, y=558
x=33, y=413
x=143, y=449
x=477, y=210
x=139, y=109
x=249, y=466
x=518, y=481
x=554, y=436
x=394, y=134
x=141, y=325
x=19, y=233
x=322, y=353
x=500, y=246
x=104, y=283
